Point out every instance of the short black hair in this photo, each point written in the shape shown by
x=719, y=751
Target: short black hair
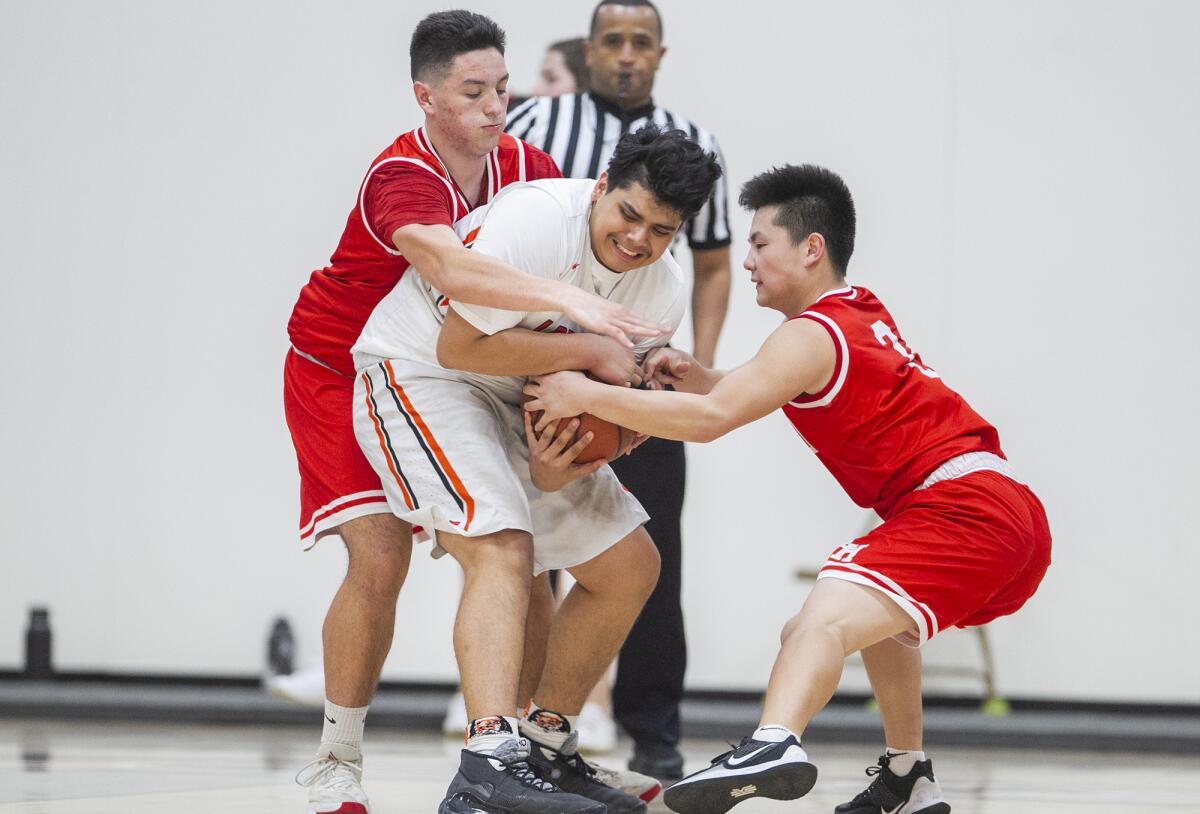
x=575, y=60
x=810, y=199
x=677, y=171
x=443, y=35
x=636, y=3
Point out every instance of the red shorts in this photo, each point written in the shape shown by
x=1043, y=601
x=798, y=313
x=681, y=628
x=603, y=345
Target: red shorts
x=959, y=553
x=337, y=482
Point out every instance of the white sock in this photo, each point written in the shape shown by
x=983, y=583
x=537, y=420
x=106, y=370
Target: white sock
x=486, y=735
x=547, y=727
x=773, y=733
x=343, y=725
x=901, y=761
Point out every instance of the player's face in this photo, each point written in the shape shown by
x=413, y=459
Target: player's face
x=554, y=78
x=629, y=227
x=623, y=54
x=468, y=104
x=773, y=261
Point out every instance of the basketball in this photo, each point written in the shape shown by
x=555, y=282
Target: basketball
x=609, y=440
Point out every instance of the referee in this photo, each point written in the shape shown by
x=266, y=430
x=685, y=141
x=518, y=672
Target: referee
x=580, y=131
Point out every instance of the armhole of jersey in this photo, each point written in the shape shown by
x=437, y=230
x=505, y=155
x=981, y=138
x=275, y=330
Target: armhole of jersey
x=362, y=199
x=841, y=364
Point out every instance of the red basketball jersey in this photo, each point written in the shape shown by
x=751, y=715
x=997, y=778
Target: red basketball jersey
x=335, y=304
x=885, y=420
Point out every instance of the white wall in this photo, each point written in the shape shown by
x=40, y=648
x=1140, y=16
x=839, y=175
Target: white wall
x=1025, y=175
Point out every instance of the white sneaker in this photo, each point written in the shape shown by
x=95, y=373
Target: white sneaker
x=305, y=687
x=597, y=730
x=641, y=786
x=455, y=722
x=334, y=781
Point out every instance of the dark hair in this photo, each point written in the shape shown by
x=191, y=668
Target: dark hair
x=443, y=35
x=676, y=170
x=633, y=3
x=810, y=199
x=572, y=53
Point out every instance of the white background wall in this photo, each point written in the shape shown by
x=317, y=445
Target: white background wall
x=170, y=173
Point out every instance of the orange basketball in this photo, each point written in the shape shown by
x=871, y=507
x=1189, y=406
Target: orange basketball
x=609, y=440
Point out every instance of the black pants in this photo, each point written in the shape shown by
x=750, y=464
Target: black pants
x=650, y=670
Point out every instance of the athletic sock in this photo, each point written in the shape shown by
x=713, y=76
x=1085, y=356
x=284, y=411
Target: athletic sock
x=773, y=733
x=486, y=735
x=549, y=728
x=901, y=761
x=343, y=725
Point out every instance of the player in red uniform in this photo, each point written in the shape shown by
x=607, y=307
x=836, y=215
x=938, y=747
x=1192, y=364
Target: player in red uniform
x=963, y=540
x=414, y=190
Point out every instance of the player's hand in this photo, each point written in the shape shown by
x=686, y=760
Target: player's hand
x=612, y=363
x=558, y=395
x=665, y=366
x=600, y=316
x=552, y=454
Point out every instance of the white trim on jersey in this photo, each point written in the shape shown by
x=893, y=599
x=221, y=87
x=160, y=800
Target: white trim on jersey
x=362, y=197
x=923, y=633
x=317, y=523
x=520, y=159
x=837, y=292
x=843, y=368
x=428, y=145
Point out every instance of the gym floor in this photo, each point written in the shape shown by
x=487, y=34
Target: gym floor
x=63, y=767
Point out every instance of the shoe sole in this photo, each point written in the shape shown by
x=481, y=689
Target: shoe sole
x=719, y=794
x=468, y=804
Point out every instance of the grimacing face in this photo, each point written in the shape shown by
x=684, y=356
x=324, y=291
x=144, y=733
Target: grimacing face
x=623, y=54
x=554, y=77
x=629, y=228
x=772, y=260
x=468, y=103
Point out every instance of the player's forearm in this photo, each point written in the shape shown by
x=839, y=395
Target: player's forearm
x=476, y=278
x=516, y=352
x=710, y=301
x=679, y=416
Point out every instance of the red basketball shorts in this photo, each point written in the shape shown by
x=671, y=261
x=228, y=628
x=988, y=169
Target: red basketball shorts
x=337, y=482
x=959, y=553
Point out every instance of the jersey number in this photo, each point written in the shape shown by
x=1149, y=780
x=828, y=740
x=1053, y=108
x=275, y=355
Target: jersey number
x=884, y=335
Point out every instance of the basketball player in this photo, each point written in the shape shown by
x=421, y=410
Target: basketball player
x=413, y=193
x=963, y=540
x=437, y=412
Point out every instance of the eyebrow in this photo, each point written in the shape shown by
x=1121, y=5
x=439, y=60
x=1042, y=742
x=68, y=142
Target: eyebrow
x=753, y=235
x=638, y=215
x=482, y=82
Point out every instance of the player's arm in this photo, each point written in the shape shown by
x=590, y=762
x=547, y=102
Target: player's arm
x=710, y=300
x=521, y=352
x=474, y=277
x=798, y=357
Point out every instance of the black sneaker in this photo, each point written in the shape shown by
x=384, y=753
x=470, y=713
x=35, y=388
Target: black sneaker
x=503, y=782
x=572, y=773
x=659, y=760
x=780, y=771
x=915, y=793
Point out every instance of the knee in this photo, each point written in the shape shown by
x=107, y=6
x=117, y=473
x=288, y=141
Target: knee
x=506, y=552
x=647, y=566
x=379, y=555
x=801, y=625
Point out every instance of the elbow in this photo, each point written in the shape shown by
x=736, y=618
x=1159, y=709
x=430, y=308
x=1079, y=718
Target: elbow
x=449, y=355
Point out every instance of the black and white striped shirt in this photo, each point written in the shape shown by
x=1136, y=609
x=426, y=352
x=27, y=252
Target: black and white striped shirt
x=580, y=132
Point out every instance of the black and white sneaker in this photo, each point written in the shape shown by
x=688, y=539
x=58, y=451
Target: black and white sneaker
x=572, y=773
x=780, y=771
x=915, y=793
x=503, y=783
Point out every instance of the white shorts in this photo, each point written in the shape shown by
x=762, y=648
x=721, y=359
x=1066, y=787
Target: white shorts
x=452, y=457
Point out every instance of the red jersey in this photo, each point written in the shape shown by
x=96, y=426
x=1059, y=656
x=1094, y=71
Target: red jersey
x=885, y=420
x=407, y=183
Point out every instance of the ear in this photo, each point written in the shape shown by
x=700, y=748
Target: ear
x=424, y=96
x=601, y=187
x=814, y=249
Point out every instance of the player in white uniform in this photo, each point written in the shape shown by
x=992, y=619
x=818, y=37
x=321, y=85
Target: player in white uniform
x=453, y=451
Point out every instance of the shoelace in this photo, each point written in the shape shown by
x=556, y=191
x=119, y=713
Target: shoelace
x=340, y=775
x=513, y=754
x=872, y=771
x=526, y=776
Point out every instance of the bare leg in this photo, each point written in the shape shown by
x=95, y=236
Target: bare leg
x=537, y=632
x=362, y=617
x=895, y=673
x=601, y=694
x=839, y=618
x=594, y=619
x=489, y=632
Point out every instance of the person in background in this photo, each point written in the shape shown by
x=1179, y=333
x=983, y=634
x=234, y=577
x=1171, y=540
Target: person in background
x=564, y=69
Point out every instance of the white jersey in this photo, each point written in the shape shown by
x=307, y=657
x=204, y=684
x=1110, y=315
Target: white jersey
x=540, y=227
